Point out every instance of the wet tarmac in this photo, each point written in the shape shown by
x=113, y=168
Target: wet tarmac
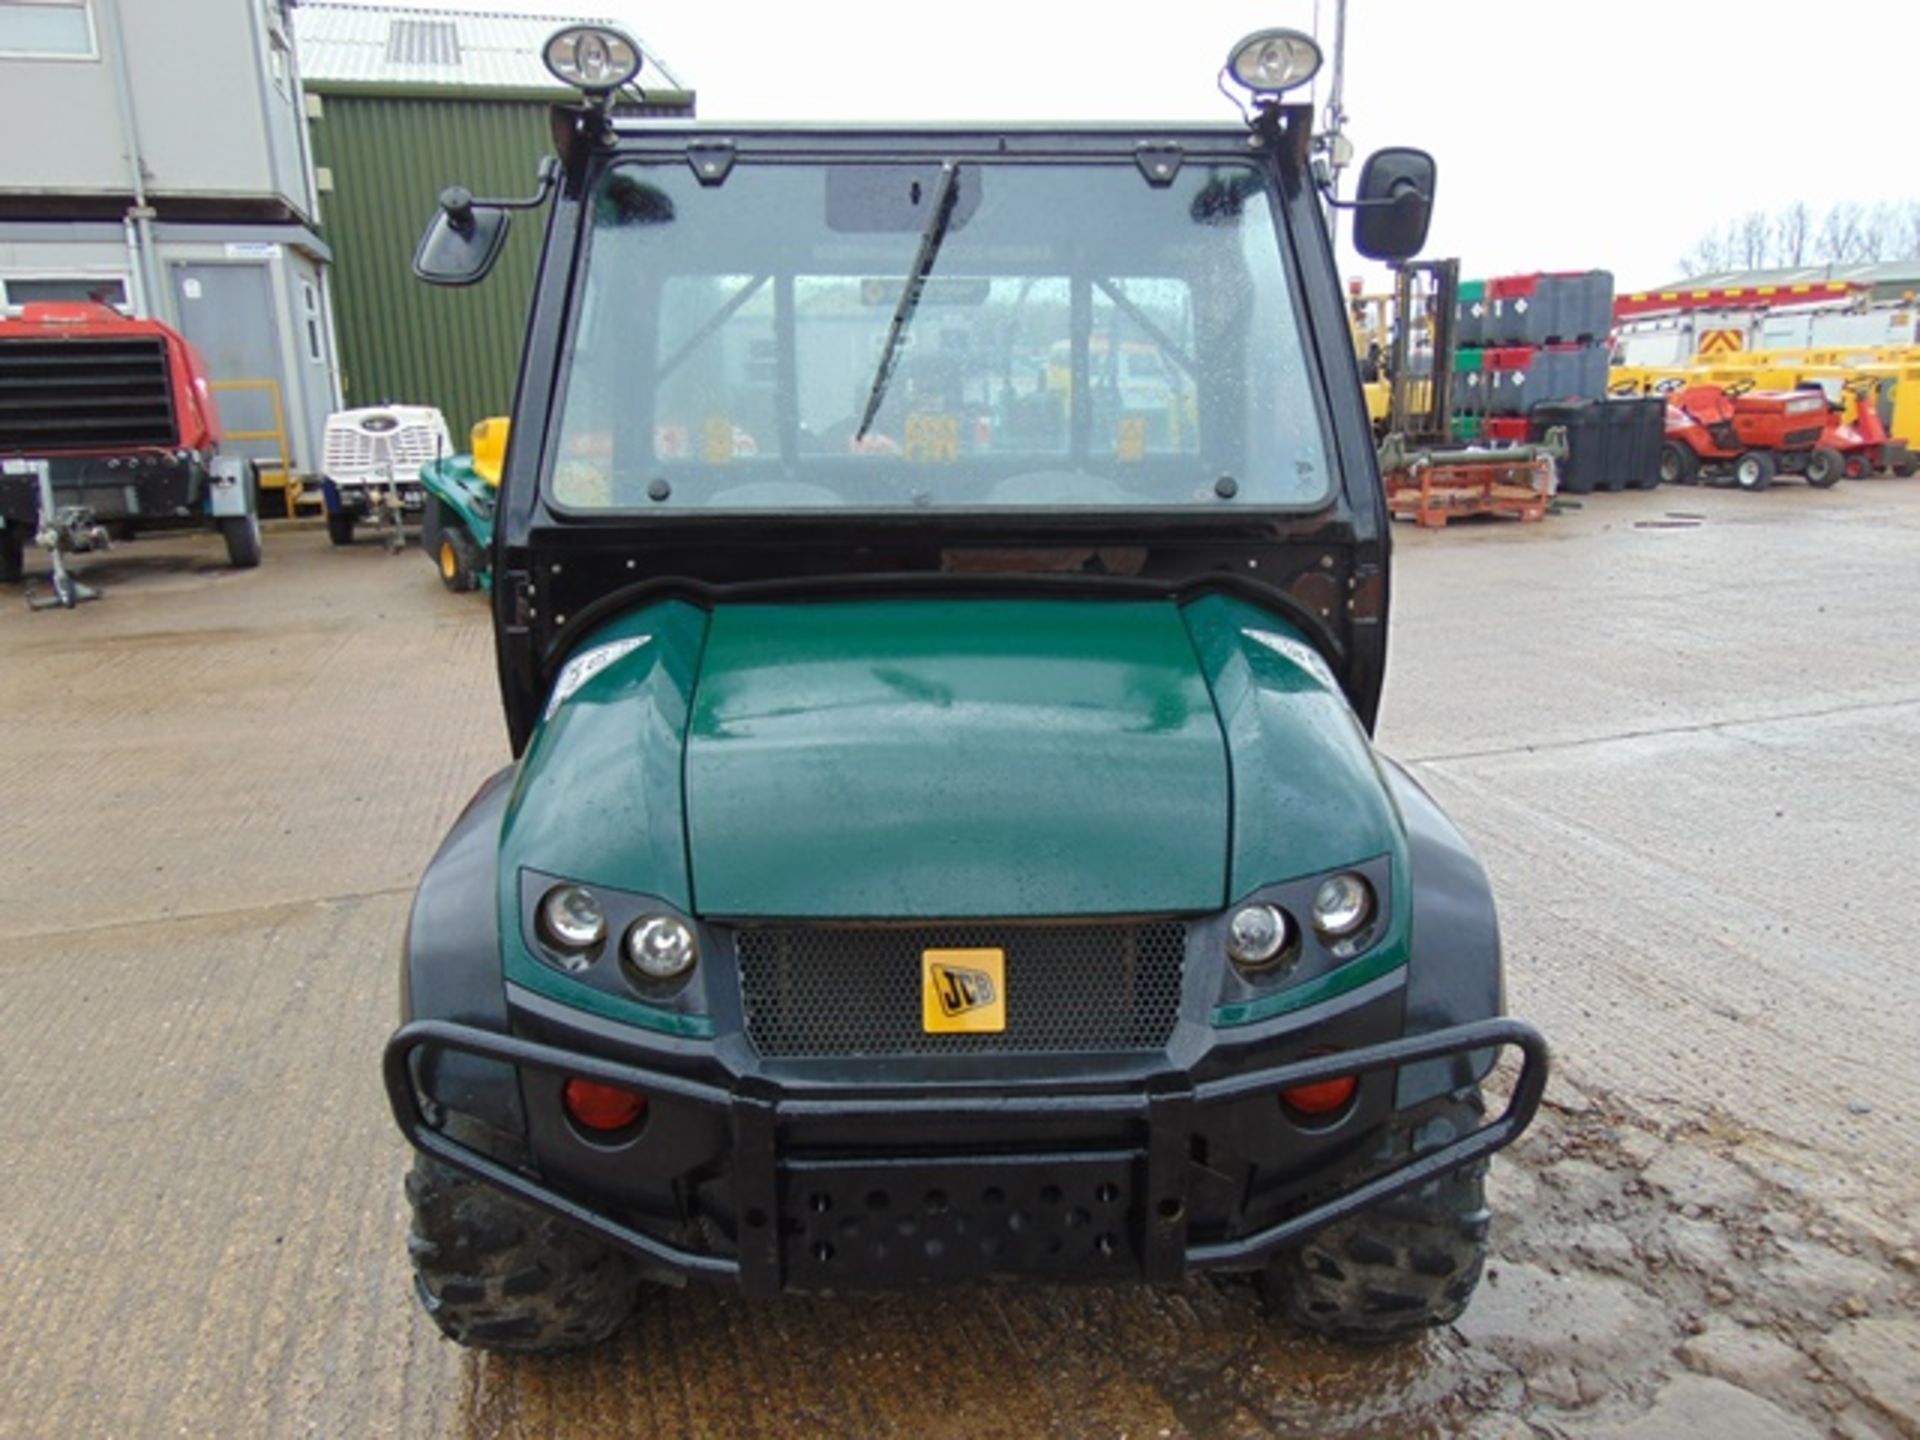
x=1683, y=729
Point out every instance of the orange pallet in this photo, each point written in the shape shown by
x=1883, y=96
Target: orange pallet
x=1433, y=493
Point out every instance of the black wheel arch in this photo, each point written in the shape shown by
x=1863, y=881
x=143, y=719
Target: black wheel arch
x=450, y=966
x=1454, y=970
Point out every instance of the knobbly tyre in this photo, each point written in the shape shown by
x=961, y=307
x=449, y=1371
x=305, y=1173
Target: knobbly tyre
x=945, y=839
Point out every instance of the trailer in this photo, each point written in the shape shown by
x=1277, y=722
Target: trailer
x=108, y=429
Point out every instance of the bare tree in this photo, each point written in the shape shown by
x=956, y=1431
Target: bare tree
x=1882, y=237
x=1753, y=241
x=1710, y=252
x=1849, y=233
x=1840, y=236
x=1793, y=234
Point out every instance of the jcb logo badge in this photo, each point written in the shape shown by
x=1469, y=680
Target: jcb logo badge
x=963, y=992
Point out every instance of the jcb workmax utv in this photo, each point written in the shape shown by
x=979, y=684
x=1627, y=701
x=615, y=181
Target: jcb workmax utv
x=940, y=583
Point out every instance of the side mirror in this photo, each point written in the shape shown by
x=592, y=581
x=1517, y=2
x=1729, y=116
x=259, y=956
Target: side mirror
x=1394, y=205
x=462, y=241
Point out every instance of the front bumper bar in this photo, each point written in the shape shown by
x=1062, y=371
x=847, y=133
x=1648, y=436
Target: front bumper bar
x=1164, y=1107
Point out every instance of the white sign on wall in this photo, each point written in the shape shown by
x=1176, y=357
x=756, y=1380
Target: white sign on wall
x=252, y=250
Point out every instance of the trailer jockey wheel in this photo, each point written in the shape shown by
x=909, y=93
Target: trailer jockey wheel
x=459, y=559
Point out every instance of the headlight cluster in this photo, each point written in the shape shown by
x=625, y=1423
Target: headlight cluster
x=573, y=924
x=1261, y=934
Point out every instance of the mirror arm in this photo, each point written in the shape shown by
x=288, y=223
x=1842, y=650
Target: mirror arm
x=547, y=176
x=1326, y=194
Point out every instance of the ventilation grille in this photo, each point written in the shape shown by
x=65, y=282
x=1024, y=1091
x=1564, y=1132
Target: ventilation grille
x=816, y=991
x=349, y=450
x=85, y=394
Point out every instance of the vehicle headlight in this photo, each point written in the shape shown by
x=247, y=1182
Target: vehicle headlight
x=571, y=918
x=1258, y=934
x=1341, y=905
x=661, y=947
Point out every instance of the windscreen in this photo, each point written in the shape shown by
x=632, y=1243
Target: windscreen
x=935, y=335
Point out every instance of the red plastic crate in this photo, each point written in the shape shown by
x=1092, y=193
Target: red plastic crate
x=1510, y=429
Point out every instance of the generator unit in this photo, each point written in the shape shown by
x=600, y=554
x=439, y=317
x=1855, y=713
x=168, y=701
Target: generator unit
x=370, y=464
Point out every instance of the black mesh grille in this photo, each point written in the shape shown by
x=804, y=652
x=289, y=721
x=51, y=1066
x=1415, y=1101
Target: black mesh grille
x=856, y=991
x=84, y=394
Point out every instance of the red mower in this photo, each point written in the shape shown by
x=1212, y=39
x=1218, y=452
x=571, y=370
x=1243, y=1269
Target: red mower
x=1716, y=431
x=1865, y=444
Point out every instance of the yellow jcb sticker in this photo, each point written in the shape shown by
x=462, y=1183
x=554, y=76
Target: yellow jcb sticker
x=963, y=992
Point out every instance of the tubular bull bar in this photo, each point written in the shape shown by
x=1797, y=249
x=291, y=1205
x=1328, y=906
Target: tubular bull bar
x=1165, y=1105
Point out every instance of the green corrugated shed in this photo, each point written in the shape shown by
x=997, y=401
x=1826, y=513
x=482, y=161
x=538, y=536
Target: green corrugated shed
x=402, y=103
x=388, y=158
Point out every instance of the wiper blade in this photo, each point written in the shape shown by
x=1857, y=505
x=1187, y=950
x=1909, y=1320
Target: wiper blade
x=930, y=240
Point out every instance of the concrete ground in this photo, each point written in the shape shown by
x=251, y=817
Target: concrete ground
x=1682, y=727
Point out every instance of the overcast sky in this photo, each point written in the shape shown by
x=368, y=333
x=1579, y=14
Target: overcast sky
x=1569, y=134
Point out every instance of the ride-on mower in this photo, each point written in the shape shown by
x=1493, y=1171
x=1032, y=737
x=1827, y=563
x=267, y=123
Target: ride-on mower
x=462, y=494
x=1863, y=441
x=946, y=839
x=1750, y=435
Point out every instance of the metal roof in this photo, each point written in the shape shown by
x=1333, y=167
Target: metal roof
x=400, y=47
x=1892, y=272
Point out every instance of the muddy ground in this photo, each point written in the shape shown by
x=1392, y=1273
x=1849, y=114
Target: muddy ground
x=1683, y=728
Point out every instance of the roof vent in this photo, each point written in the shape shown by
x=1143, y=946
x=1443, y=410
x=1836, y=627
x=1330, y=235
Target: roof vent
x=423, y=42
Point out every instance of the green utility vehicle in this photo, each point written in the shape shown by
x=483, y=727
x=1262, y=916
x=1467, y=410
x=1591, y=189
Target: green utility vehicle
x=940, y=583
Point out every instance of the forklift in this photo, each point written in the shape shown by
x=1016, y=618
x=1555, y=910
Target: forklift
x=1429, y=476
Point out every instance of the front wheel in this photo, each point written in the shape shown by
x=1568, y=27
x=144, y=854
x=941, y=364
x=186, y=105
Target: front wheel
x=1404, y=1266
x=242, y=534
x=458, y=559
x=499, y=1275
x=1678, y=464
x=1825, y=467
x=340, y=527
x=1753, y=470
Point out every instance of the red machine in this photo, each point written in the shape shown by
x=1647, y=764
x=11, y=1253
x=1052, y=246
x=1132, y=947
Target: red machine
x=1752, y=435
x=1865, y=444
x=108, y=427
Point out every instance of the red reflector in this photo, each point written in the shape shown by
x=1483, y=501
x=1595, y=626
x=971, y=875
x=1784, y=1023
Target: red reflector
x=1323, y=1097
x=602, y=1107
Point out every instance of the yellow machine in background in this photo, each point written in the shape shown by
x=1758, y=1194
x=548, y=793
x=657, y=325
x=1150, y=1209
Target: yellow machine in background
x=490, y=448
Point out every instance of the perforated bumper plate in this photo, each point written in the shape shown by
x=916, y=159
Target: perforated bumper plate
x=866, y=1224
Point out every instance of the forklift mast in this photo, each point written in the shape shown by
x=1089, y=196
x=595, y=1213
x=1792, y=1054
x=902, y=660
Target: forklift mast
x=1428, y=423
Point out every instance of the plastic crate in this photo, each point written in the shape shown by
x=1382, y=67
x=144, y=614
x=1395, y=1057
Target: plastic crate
x=1470, y=313
x=1613, y=444
x=1588, y=461
x=1547, y=308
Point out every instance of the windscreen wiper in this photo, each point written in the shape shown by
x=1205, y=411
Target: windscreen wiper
x=930, y=240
